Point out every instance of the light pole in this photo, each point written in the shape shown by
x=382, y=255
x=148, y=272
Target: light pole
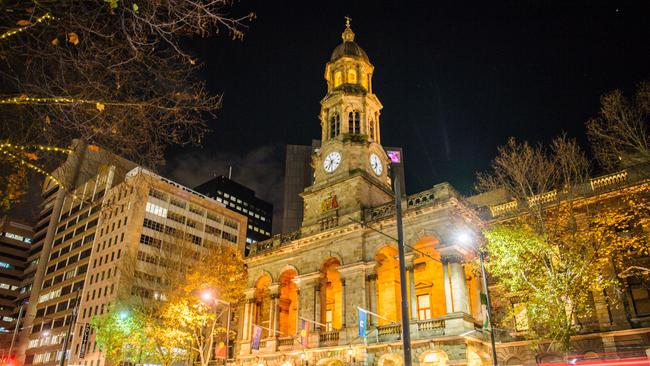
x=466, y=239
x=208, y=296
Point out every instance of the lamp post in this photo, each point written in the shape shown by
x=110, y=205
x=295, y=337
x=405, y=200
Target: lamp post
x=466, y=239
x=208, y=296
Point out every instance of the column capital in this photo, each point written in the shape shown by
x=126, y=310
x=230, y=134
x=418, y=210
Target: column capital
x=308, y=279
x=453, y=253
x=274, y=289
x=249, y=293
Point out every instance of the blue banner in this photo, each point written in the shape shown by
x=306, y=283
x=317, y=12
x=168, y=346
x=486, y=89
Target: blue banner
x=362, y=323
x=257, y=337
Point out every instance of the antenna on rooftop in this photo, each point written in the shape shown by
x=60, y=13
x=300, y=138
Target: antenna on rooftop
x=229, y=171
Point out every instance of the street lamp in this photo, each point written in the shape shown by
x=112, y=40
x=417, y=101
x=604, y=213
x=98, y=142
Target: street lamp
x=466, y=239
x=208, y=295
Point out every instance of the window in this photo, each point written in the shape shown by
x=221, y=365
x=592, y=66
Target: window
x=156, y=210
x=153, y=225
x=372, y=129
x=424, y=307
x=352, y=76
x=231, y=223
x=147, y=240
x=157, y=194
x=338, y=79
x=354, y=121
x=335, y=125
x=328, y=320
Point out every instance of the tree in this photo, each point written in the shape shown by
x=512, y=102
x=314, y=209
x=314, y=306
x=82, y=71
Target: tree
x=118, y=334
x=199, y=307
x=619, y=134
x=563, y=246
x=112, y=73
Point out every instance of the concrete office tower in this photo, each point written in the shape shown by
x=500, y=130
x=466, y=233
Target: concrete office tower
x=15, y=243
x=149, y=227
x=63, y=241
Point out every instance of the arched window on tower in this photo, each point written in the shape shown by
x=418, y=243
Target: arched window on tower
x=352, y=76
x=372, y=129
x=354, y=122
x=335, y=125
x=338, y=78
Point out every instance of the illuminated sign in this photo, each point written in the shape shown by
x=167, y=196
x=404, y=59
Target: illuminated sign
x=394, y=156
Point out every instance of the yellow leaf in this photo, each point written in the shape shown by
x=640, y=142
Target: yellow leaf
x=24, y=22
x=73, y=38
x=55, y=42
x=31, y=156
x=100, y=107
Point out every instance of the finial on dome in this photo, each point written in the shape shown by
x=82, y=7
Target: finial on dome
x=348, y=34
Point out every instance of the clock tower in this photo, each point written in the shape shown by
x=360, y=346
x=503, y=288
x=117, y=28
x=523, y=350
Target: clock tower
x=351, y=167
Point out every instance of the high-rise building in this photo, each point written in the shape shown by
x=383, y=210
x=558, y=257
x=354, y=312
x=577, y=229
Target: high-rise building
x=149, y=227
x=15, y=242
x=298, y=174
x=62, y=245
x=243, y=200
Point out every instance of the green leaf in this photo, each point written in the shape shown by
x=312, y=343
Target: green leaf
x=135, y=7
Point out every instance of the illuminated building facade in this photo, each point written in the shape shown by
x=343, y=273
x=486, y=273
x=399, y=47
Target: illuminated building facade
x=330, y=266
x=337, y=261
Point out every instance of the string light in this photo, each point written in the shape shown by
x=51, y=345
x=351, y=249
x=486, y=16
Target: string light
x=35, y=147
x=14, y=31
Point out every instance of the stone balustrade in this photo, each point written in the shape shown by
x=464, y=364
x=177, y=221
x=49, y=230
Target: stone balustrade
x=329, y=338
x=609, y=180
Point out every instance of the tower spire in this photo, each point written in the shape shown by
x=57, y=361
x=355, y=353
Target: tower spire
x=348, y=34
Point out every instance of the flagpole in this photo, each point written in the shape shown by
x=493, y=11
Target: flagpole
x=377, y=315
x=313, y=321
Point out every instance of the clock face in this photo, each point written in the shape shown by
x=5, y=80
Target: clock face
x=375, y=164
x=332, y=161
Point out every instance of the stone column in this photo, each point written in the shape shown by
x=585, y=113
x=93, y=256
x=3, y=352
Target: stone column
x=412, y=298
x=354, y=294
x=459, y=286
x=449, y=296
x=273, y=310
x=344, y=307
x=308, y=286
x=371, y=285
x=317, y=302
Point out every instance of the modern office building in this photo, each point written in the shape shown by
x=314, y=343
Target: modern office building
x=15, y=242
x=149, y=227
x=243, y=200
x=62, y=245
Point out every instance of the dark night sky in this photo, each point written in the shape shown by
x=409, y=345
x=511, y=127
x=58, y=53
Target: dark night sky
x=456, y=80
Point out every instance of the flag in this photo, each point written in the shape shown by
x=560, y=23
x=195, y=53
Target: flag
x=220, y=350
x=362, y=322
x=257, y=337
x=304, y=332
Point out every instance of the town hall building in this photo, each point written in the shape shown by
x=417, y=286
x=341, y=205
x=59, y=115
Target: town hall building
x=306, y=287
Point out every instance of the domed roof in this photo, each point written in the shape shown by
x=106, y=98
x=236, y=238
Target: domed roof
x=348, y=47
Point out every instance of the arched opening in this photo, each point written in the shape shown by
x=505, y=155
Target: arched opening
x=371, y=128
x=330, y=362
x=473, y=359
x=263, y=304
x=388, y=292
x=335, y=125
x=331, y=295
x=514, y=361
x=352, y=76
x=354, y=122
x=429, y=280
x=288, y=303
x=391, y=359
x=434, y=358
x=338, y=79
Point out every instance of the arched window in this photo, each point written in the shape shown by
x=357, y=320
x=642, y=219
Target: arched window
x=372, y=129
x=352, y=76
x=335, y=125
x=338, y=78
x=354, y=122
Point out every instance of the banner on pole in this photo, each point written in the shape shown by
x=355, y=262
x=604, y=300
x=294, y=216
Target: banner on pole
x=362, y=322
x=257, y=337
x=304, y=332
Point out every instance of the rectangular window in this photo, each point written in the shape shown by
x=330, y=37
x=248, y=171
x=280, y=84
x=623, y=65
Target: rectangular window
x=639, y=290
x=156, y=210
x=424, y=307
